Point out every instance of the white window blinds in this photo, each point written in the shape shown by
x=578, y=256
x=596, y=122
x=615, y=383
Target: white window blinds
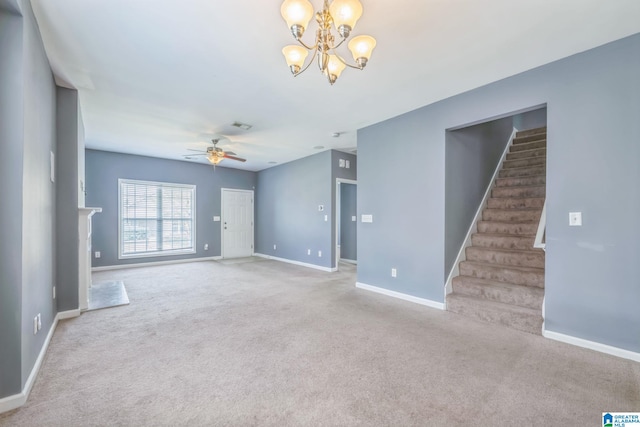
x=156, y=218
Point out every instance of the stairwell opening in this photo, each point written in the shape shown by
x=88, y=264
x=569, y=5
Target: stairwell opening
x=495, y=186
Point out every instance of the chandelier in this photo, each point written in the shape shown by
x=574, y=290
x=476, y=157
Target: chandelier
x=343, y=14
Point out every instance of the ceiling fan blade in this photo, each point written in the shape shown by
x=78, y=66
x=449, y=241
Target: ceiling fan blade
x=193, y=155
x=191, y=149
x=230, y=153
x=227, y=156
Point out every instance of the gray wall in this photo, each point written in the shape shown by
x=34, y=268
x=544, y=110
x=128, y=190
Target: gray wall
x=103, y=169
x=67, y=243
x=593, y=102
x=27, y=256
x=472, y=154
x=287, y=200
x=11, y=153
x=348, y=228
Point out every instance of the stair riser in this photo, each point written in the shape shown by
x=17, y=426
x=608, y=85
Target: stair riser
x=504, y=275
x=511, y=215
x=528, y=138
x=522, y=172
x=515, y=203
x=503, y=242
x=521, y=182
x=535, y=131
x=507, y=227
x=524, y=163
x=527, y=154
x=522, y=296
x=527, y=146
x=529, y=192
x=526, y=323
x=516, y=259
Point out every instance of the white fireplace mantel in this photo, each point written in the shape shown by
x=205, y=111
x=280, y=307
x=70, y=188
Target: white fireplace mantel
x=84, y=254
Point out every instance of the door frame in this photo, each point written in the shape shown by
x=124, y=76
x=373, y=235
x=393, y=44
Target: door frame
x=337, y=212
x=222, y=215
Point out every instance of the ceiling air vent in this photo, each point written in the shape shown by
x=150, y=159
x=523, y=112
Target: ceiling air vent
x=242, y=126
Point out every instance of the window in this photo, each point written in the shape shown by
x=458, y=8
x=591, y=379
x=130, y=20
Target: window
x=156, y=218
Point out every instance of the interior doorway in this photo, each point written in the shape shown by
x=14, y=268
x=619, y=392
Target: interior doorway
x=237, y=223
x=346, y=249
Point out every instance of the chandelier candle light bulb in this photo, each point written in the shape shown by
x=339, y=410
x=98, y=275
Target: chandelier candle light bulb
x=343, y=15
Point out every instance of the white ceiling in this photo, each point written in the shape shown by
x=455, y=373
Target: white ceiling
x=159, y=77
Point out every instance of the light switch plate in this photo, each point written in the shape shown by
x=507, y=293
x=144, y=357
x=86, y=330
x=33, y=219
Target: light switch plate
x=216, y=218
x=354, y=218
x=367, y=218
x=347, y=164
x=575, y=219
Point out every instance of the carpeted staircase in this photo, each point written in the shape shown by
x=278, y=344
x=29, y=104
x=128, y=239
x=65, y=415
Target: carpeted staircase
x=502, y=278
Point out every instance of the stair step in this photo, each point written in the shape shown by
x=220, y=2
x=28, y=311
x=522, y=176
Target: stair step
x=515, y=202
x=526, y=276
x=530, y=138
x=522, y=296
x=532, y=131
x=527, y=154
x=526, y=181
x=522, y=172
x=503, y=241
x=517, y=215
x=528, y=146
x=513, y=257
x=520, y=318
x=524, y=163
x=497, y=227
x=528, y=192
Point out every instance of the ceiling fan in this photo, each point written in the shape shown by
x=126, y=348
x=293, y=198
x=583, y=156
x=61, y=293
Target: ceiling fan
x=215, y=154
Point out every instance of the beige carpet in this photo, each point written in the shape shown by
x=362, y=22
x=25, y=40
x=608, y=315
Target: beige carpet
x=267, y=343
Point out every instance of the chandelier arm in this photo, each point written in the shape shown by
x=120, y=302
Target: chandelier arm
x=339, y=44
x=315, y=52
x=344, y=62
x=299, y=40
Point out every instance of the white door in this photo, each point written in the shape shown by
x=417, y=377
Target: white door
x=237, y=223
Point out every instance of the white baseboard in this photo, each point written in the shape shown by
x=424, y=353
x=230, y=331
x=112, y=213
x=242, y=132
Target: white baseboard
x=591, y=345
x=17, y=400
x=303, y=264
x=349, y=261
x=154, y=263
x=411, y=298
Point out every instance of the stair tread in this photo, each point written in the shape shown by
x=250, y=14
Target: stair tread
x=506, y=250
x=505, y=267
x=514, y=209
x=503, y=235
x=496, y=284
x=496, y=304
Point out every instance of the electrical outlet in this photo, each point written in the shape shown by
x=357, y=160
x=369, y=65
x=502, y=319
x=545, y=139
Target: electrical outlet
x=319, y=254
x=274, y=247
x=206, y=246
x=575, y=219
x=308, y=251
x=394, y=272
x=326, y=218
x=98, y=254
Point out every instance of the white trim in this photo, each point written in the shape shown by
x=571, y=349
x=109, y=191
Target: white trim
x=349, y=261
x=592, y=345
x=154, y=263
x=411, y=298
x=303, y=264
x=473, y=228
x=542, y=226
x=17, y=400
